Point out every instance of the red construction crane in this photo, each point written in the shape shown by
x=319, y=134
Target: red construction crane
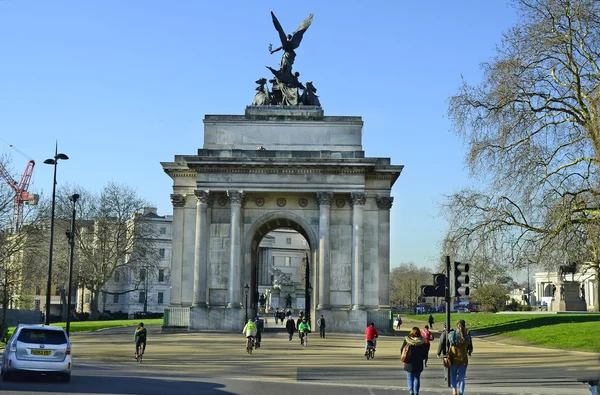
x=21, y=194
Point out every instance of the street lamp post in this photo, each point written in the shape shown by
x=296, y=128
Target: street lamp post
x=71, y=238
x=53, y=162
x=246, y=289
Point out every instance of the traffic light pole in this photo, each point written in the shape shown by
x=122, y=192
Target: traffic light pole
x=447, y=300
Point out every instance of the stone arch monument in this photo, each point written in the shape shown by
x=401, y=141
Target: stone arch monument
x=283, y=164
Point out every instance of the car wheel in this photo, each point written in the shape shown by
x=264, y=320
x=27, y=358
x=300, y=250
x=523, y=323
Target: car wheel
x=66, y=378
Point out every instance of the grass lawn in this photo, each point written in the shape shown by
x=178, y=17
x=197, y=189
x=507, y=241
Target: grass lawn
x=89, y=326
x=568, y=331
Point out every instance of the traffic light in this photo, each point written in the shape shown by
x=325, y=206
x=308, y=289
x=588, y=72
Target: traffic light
x=439, y=287
x=461, y=279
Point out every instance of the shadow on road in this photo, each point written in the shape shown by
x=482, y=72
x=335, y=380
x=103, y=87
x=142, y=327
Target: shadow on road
x=112, y=385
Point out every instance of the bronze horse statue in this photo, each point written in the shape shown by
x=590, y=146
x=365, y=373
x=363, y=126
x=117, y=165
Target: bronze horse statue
x=563, y=270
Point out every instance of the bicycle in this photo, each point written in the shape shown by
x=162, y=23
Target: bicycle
x=140, y=355
x=305, y=339
x=370, y=353
x=250, y=345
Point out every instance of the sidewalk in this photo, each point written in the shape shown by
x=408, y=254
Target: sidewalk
x=337, y=359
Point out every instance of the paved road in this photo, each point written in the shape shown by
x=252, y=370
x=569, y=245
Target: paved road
x=216, y=363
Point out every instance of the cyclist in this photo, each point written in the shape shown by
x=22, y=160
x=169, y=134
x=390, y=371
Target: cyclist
x=304, y=330
x=371, y=335
x=249, y=331
x=140, y=340
x=259, y=329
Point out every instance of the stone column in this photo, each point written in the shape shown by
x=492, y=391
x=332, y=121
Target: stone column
x=324, y=199
x=200, y=256
x=235, y=250
x=384, y=203
x=357, y=200
x=177, y=253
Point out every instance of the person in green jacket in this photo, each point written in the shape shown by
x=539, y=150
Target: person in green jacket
x=140, y=340
x=304, y=330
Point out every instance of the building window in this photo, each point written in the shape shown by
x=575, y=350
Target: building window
x=117, y=276
x=142, y=297
x=38, y=290
x=288, y=261
x=163, y=230
x=161, y=252
x=88, y=298
x=116, y=298
x=161, y=275
x=57, y=291
x=142, y=274
x=37, y=305
x=288, y=240
x=160, y=297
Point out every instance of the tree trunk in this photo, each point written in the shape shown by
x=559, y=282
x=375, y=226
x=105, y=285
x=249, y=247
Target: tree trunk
x=63, y=304
x=4, y=326
x=94, y=305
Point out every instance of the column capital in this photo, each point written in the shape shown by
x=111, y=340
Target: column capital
x=324, y=198
x=178, y=200
x=203, y=196
x=236, y=197
x=358, y=198
x=384, y=202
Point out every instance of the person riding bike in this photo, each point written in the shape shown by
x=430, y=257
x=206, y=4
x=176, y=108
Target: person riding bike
x=371, y=335
x=260, y=327
x=140, y=340
x=304, y=330
x=249, y=331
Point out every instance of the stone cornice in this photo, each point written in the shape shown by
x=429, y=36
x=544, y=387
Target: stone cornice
x=180, y=173
x=279, y=170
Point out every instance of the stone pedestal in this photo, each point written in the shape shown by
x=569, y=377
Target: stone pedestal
x=216, y=318
x=347, y=321
x=567, y=297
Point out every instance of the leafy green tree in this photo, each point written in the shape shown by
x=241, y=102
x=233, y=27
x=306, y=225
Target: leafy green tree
x=490, y=296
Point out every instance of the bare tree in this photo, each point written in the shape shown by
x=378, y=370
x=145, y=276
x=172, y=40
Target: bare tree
x=533, y=133
x=405, y=283
x=17, y=251
x=112, y=235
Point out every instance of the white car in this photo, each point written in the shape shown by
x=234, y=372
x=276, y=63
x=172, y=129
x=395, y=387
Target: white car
x=37, y=349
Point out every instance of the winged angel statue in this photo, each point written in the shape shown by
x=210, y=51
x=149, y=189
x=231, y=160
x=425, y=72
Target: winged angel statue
x=289, y=43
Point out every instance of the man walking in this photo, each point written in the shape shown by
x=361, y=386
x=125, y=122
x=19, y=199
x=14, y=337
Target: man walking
x=290, y=327
x=276, y=315
x=321, y=325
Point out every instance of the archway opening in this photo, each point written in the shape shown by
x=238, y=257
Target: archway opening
x=281, y=270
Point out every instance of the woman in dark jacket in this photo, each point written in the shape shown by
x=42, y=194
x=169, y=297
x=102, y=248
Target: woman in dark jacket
x=414, y=365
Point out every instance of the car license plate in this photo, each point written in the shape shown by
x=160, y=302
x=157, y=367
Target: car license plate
x=41, y=352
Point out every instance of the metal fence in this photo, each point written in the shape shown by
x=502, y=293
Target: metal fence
x=381, y=318
x=177, y=317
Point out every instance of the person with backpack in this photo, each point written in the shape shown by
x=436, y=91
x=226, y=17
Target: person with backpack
x=428, y=337
x=140, y=340
x=412, y=354
x=461, y=347
x=443, y=347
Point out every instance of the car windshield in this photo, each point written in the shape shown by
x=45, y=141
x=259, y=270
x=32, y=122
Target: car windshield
x=40, y=336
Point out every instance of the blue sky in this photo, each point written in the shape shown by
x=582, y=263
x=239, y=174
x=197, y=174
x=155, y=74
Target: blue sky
x=124, y=85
